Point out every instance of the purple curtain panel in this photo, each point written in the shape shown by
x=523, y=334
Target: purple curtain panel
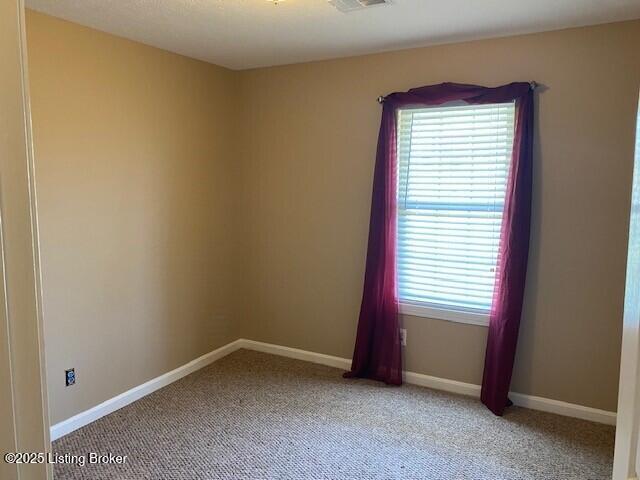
x=377, y=352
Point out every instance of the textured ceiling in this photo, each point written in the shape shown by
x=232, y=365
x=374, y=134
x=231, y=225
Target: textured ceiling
x=242, y=34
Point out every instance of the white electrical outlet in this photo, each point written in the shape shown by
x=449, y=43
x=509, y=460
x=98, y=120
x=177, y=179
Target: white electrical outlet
x=403, y=337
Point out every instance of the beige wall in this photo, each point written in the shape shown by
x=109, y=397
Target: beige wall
x=23, y=404
x=136, y=187
x=308, y=161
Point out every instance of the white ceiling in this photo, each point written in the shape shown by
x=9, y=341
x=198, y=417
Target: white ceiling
x=242, y=34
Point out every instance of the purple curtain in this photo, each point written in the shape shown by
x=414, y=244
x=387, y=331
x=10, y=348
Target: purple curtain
x=377, y=351
x=508, y=293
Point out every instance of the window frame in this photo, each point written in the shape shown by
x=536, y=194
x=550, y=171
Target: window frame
x=436, y=311
x=439, y=313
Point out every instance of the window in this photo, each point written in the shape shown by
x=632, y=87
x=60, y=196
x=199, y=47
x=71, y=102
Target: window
x=453, y=168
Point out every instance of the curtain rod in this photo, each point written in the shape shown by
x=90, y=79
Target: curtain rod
x=532, y=84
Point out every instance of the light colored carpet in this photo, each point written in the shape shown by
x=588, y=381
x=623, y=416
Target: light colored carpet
x=258, y=416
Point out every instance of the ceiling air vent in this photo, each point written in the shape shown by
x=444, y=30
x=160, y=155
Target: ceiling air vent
x=351, y=5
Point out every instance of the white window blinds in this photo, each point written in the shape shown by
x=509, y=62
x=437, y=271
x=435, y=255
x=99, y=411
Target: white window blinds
x=453, y=167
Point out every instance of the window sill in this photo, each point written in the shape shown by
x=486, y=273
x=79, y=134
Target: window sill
x=459, y=316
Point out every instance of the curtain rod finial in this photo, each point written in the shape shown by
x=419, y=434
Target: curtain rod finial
x=380, y=99
x=533, y=85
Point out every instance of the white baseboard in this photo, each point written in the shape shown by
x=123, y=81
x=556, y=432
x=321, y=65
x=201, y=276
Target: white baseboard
x=529, y=401
x=443, y=384
x=453, y=386
x=563, y=408
x=105, y=408
x=307, y=356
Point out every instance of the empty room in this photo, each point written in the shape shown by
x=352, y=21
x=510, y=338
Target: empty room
x=320, y=239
